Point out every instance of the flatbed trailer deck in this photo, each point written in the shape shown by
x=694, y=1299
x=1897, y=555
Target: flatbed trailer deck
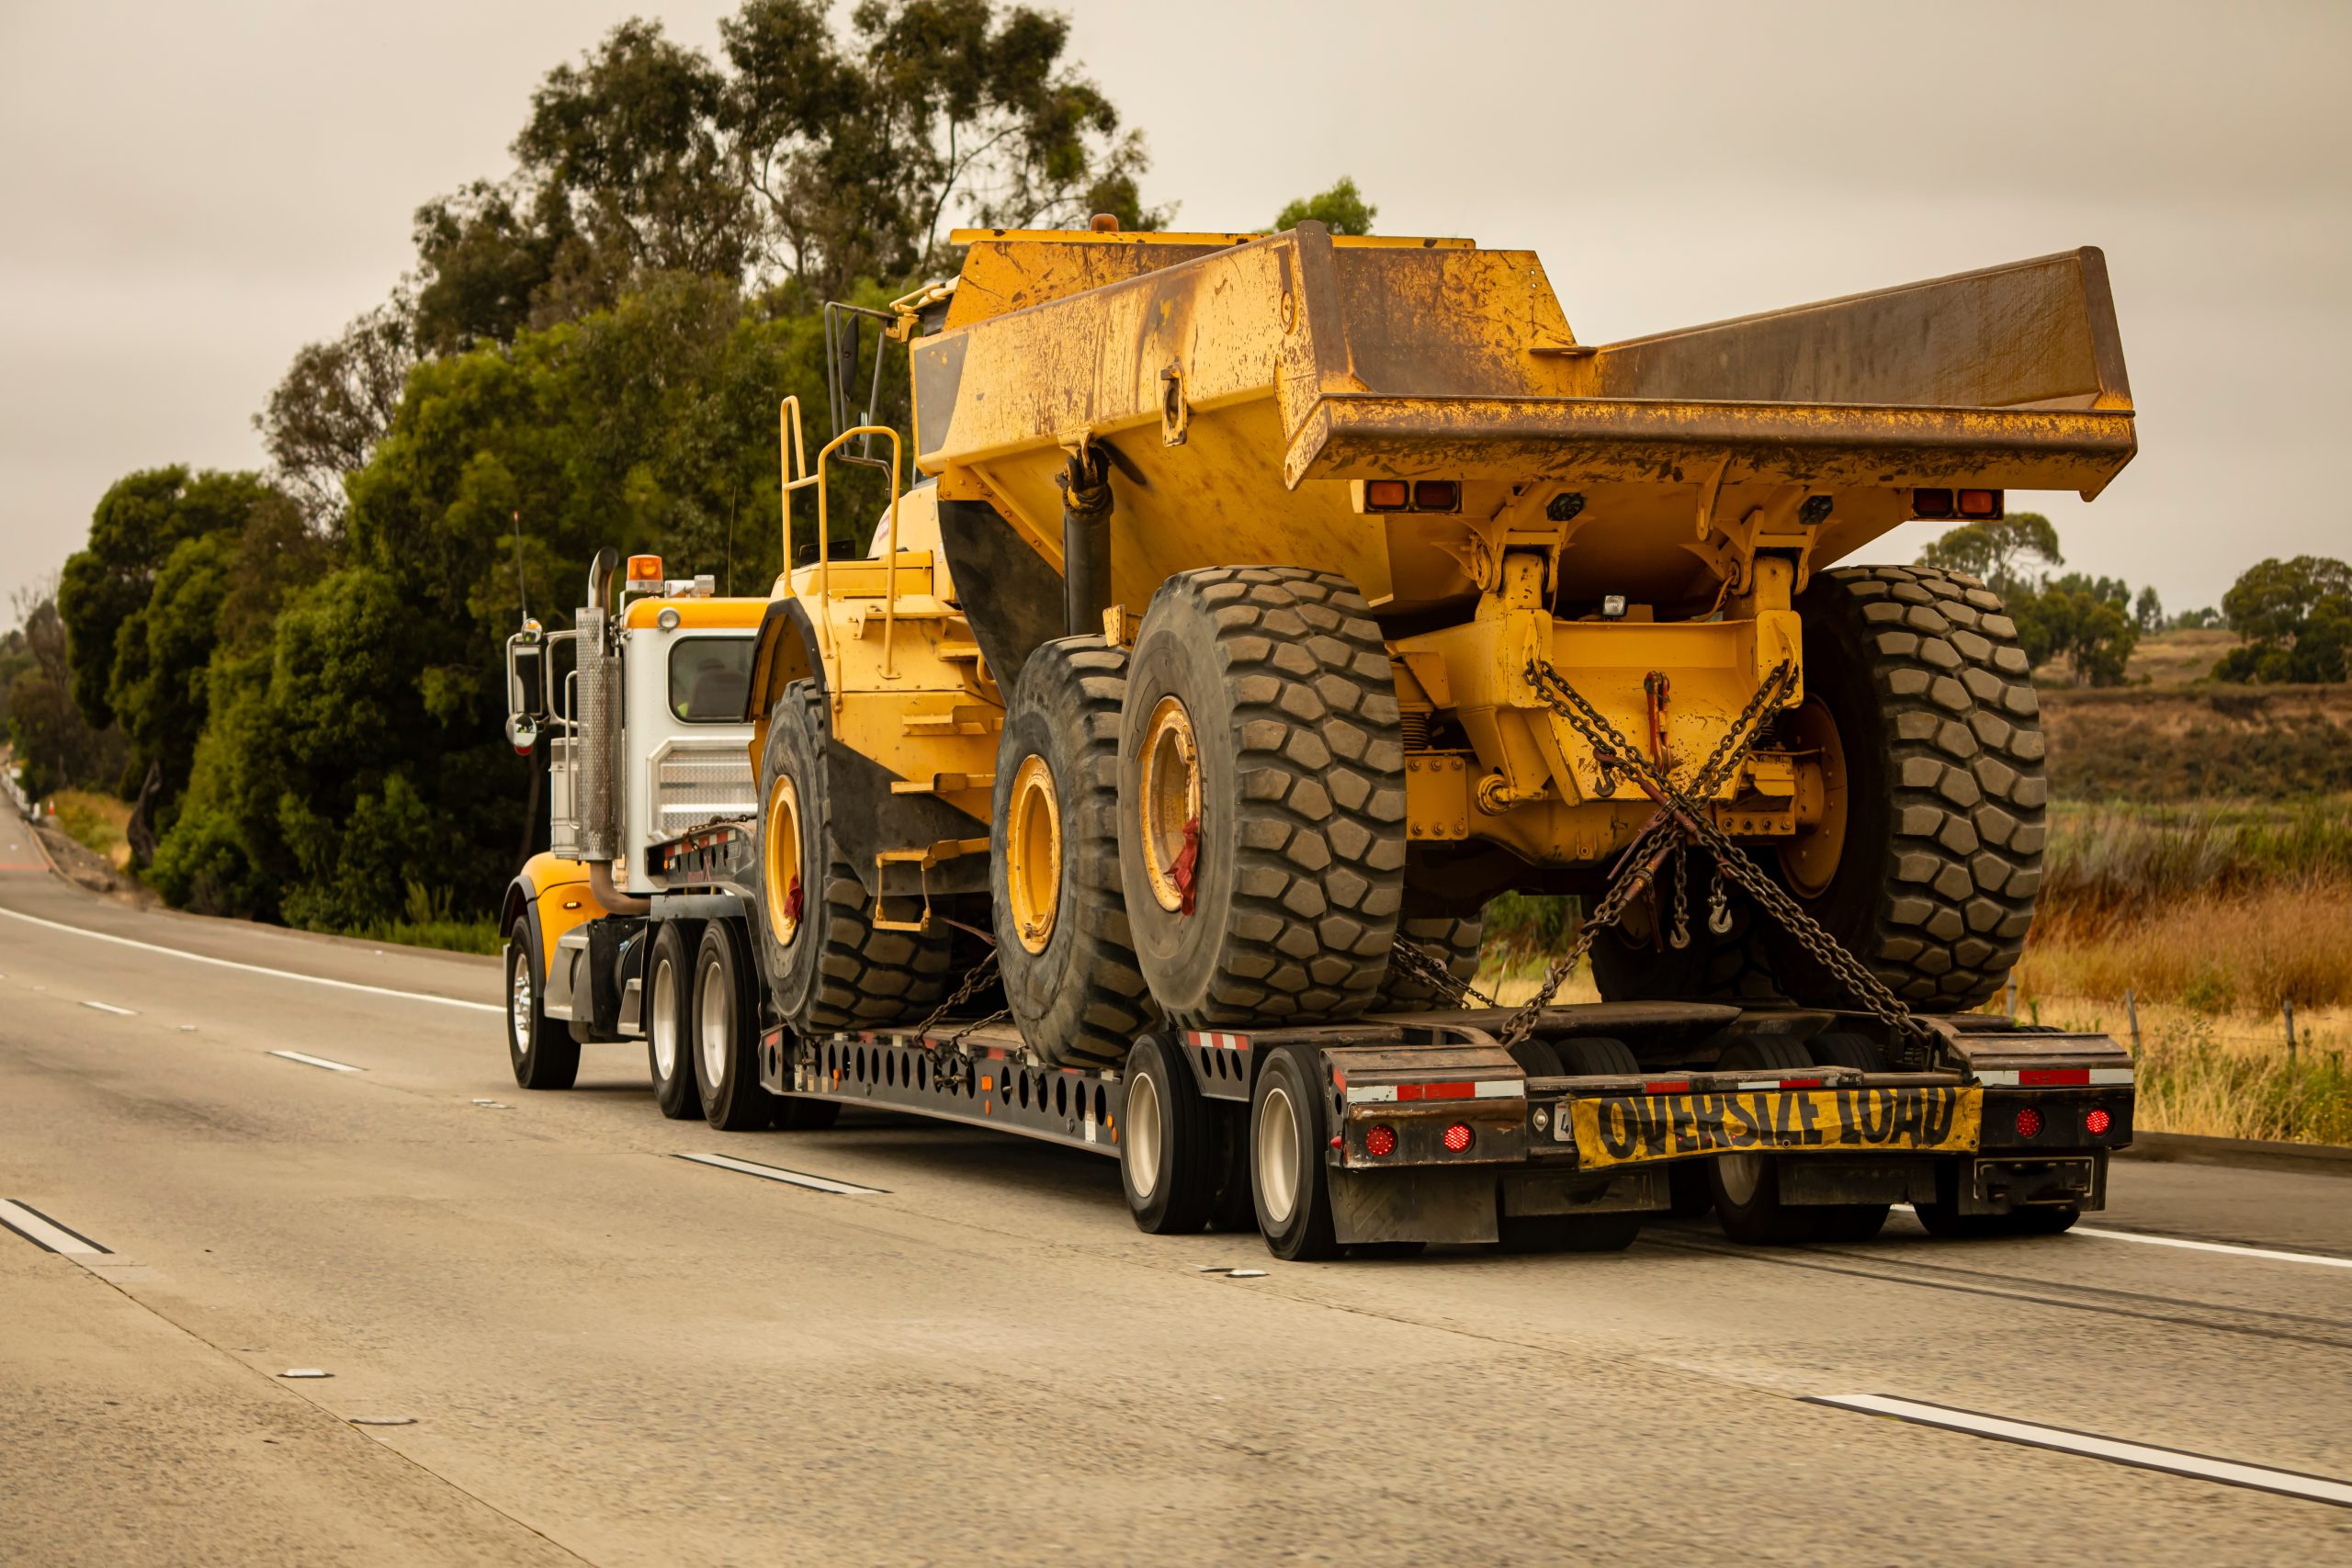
x=1429, y=1130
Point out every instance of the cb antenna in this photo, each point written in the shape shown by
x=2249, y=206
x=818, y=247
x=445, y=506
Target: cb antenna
x=522, y=588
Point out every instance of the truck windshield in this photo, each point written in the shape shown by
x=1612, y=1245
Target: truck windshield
x=708, y=678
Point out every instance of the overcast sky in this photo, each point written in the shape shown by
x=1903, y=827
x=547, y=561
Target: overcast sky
x=189, y=192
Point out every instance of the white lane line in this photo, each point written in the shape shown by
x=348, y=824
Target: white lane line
x=316, y=1062
x=45, y=1232
x=109, y=1007
x=771, y=1173
x=252, y=969
x=2273, y=1253
x=2142, y=1456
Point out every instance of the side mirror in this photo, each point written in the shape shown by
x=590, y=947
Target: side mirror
x=527, y=686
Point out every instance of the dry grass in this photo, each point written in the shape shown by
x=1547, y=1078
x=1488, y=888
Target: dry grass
x=2226, y=1075
x=96, y=821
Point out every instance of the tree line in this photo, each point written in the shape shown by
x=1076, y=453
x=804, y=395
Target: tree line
x=2294, y=617
x=296, y=674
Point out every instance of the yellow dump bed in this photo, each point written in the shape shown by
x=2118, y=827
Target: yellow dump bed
x=1232, y=375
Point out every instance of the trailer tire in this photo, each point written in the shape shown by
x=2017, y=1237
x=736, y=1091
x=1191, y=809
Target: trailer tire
x=1922, y=698
x=1070, y=973
x=1942, y=1219
x=1167, y=1151
x=1747, y=1187
x=1262, y=798
x=541, y=1049
x=1288, y=1182
x=826, y=967
x=1846, y=1221
x=1447, y=937
x=796, y=1114
x=670, y=1020
x=727, y=1035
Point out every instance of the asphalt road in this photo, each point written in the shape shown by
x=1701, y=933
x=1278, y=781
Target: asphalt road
x=599, y=1352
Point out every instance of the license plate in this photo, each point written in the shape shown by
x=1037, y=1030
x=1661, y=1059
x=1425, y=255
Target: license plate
x=1633, y=1129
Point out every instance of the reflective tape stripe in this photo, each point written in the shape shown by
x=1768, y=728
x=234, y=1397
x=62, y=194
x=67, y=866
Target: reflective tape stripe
x=1216, y=1039
x=1409, y=1093
x=2055, y=1077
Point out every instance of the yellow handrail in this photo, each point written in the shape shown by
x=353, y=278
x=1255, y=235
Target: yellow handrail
x=788, y=419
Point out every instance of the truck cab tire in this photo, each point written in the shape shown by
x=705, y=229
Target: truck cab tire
x=1288, y=1139
x=1069, y=971
x=540, y=1050
x=826, y=966
x=726, y=1035
x=670, y=1020
x=1168, y=1151
x=1262, y=798
x=1928, y=859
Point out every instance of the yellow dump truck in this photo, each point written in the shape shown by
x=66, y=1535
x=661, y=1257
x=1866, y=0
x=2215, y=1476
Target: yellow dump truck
x=1249, y=610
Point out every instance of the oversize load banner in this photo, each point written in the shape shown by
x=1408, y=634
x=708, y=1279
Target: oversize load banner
x=1628, y=1129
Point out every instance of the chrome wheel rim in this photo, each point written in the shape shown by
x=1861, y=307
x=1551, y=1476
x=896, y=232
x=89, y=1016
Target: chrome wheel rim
x=1142, y=1146
x=519, y=999
x=1274, y=1152
x=665, y=1020
x=714, y=1024
x=1740, y=1176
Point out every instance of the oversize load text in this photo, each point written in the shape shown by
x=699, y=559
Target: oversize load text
x=1627, y=1129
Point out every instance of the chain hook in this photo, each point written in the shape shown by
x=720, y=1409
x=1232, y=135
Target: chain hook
x=1719, y=907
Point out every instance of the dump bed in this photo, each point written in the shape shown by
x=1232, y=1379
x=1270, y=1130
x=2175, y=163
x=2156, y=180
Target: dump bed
x=1224, y=371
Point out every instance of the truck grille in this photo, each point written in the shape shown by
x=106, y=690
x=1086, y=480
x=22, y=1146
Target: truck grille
x=697, y=782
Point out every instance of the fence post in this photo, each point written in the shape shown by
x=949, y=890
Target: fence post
x=2288, y=1007
x=2013, y=996
x=2131, y=1011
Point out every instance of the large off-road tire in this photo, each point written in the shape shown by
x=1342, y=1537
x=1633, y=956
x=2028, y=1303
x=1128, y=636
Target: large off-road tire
x=1633, y=962
x=1262, y=798
x=1069, y=971
x=827, y=968
x=1920, y=700
x=1447, y=935
x=670, y=1020
x=541, y=1049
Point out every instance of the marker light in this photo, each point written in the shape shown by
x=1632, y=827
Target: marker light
x=2098, y=1121
x=1380, y=1141
x=1457, y=1138
x=2028, y=1122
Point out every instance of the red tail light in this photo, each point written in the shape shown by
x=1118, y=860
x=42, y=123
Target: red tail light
x=1380, y=1141
x=2028, y=1123
x=1931, y=502
x=1436, y=495
x=1457, y=1138
x=2098, y=1121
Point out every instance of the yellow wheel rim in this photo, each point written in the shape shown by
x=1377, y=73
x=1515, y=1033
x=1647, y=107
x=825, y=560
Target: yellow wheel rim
x=781, y=870
x=1032, y=853
x=1811, y=858
x=1171, y=806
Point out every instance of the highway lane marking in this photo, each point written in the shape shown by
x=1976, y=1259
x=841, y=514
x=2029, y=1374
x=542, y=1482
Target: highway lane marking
x=109, y=1007
x=2238, y=1249
x=773, y=1173
x=2272, y=1253
x=252, y=969
x=2062, y=1440
x=45, y=1232
x=316, y=1062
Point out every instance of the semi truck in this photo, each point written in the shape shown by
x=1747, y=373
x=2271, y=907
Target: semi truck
x=1249, y=611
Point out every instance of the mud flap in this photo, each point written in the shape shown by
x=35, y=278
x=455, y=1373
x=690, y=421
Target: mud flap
x=1413, y=1204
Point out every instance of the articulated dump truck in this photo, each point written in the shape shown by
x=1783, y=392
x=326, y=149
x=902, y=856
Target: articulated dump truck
x=1267, y=605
